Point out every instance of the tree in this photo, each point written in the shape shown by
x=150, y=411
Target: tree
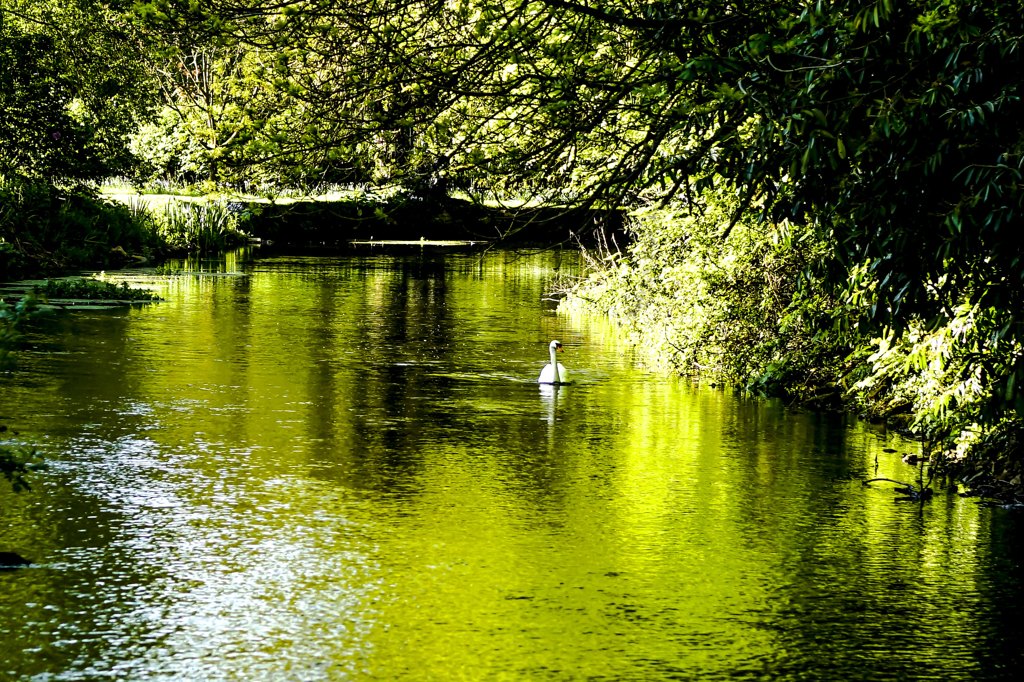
x=37, y=135
x=894, y=129
x=206, y=87
x=72, y=88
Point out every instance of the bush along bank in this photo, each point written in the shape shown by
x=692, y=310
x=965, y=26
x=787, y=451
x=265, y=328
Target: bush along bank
x=45, y=230
x=759, y=306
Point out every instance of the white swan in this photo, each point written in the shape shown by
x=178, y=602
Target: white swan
x=554, y=373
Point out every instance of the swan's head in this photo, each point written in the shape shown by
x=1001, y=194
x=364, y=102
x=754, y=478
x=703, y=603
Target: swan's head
x=556, y=345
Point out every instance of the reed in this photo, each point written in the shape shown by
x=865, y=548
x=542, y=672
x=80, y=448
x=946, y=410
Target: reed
x=194, y=226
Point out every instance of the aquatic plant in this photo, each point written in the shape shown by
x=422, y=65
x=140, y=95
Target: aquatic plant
x=202, y=226
x=16, y=463
x=168, y=270
x=12, y=317
x=92, y=289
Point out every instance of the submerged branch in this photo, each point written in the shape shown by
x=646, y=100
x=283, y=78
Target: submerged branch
x=907, y=489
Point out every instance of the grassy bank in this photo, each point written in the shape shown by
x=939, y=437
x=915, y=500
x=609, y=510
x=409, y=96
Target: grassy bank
x=47, y=230
x=335, y=216
x=754, y=306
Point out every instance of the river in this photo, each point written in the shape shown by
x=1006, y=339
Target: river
x=342, y=468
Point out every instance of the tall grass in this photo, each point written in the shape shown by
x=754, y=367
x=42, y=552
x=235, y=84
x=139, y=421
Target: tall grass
x=192, y=226
x=245, y=189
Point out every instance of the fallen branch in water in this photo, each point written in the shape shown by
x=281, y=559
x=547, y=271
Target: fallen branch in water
x=912, y=494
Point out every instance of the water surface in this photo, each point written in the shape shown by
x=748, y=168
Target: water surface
x=341, y=468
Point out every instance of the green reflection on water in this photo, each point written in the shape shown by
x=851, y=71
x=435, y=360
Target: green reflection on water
x=342, y=468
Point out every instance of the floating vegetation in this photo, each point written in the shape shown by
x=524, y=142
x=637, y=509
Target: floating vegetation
x=16, y=463
x=94, y=290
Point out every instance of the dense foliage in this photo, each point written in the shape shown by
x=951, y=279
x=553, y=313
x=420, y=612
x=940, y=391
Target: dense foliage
x=72, y=88
x=52, y=229
x=748, y=311
x=38, y=136
x=729, y=308
x=829, y=180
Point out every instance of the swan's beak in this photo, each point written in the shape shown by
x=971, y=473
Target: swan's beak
x=560, y=348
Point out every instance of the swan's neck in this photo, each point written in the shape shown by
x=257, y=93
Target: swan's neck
x=554, y=363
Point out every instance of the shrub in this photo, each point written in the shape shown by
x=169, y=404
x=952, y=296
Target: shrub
x=55, y=228
x=752, y=305
x=706, y=299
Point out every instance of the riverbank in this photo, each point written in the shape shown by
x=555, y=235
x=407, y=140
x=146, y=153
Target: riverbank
x=739, y=307
x=337, y=223
x=48, y=231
